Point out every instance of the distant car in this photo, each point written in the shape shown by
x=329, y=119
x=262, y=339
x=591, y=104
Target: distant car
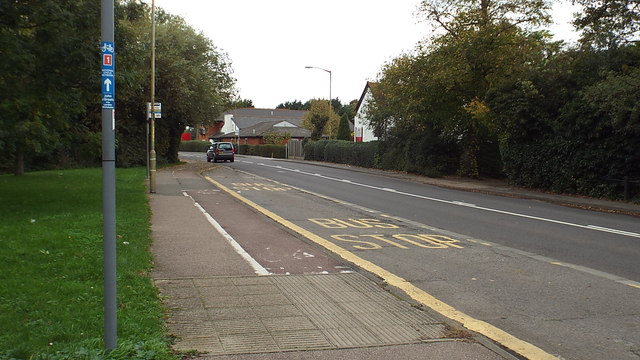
x=210, y=151
x=220, y=151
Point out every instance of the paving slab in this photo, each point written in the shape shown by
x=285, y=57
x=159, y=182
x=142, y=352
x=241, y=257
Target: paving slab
x=291, y=312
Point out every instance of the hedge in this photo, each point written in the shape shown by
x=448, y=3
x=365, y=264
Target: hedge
x=266, y=150
x=342, y=152
x=194, y=145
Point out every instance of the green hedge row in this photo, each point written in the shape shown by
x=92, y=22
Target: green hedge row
x=194, y=145
x=266, y=150
x=342, y=152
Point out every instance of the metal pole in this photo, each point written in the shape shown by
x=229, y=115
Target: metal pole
x=109, y=180
x=152, y=153
x=147, y=148
x=330, y=105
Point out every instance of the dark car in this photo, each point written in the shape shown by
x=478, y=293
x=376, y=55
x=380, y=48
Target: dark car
x=220, y=151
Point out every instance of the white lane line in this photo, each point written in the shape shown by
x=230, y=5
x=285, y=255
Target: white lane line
x=459, y=203
x=462, y=203
x=614, y=231
x=259, y=270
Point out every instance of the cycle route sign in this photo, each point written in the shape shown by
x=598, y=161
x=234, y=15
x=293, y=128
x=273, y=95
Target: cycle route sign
x=108, y=75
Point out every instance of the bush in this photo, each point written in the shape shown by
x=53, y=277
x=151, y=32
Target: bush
x=266, y=150
x=342, y=152
x=194, y=145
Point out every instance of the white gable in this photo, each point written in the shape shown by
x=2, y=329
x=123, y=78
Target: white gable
x=362, y=131
x=284, y=124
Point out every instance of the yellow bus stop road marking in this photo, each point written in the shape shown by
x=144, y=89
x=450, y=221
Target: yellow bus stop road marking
x=519, y=346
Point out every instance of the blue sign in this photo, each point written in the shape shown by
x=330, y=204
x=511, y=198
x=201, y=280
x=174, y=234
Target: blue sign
x=108, y=75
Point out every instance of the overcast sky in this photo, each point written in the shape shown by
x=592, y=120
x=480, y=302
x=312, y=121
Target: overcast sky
x=270, y=42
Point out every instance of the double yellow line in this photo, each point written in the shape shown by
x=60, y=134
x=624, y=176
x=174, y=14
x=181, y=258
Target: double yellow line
x=519, y=346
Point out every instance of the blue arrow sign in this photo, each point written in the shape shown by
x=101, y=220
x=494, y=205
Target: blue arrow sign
x=108, y=75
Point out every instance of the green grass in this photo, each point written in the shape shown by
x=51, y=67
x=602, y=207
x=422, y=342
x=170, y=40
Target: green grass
x=51, y=268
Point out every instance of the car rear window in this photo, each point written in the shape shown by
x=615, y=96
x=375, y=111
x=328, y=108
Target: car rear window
x=225, y=146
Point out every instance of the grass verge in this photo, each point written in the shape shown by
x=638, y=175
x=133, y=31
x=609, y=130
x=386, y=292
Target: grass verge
x=51, y=268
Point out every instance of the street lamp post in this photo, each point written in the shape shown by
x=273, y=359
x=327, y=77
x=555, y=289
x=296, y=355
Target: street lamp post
x=330, y=109
x=152, y=152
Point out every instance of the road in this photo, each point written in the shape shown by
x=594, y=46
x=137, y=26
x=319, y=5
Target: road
x=563, y=279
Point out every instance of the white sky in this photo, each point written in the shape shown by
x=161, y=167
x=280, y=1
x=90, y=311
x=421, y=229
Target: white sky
x=270, y=42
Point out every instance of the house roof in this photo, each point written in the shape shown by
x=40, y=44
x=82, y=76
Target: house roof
x=375, y=92
x=246, y=117
x=265, y=127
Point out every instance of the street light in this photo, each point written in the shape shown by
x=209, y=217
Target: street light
x=330, y=109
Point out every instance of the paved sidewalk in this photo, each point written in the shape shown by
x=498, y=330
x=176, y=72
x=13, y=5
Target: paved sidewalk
x=218, y=307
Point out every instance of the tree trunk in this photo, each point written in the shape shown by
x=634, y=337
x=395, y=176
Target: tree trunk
x=19, y=163
x=484, y=11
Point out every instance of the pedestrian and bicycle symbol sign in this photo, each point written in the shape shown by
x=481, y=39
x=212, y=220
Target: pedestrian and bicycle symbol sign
x=108, y=75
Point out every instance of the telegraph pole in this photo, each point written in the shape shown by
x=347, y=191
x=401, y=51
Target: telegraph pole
x=109, y=172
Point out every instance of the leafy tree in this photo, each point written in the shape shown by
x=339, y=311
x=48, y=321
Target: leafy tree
x=608, y=23
x=344, y=132
x=242, y=103
x=276, y=138
x=49, y=102
x=441, y=90
x=46, y=48
x=295, y=105
x=193, y=81
x=318, y=120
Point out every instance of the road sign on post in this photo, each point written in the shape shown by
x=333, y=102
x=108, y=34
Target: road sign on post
x=157, y=110
x=108, y=76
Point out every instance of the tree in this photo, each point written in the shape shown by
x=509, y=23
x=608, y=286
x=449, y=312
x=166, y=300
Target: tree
x=318, y=120
x=193, y=82
x=608, y=23
x=457, y=17
x=242, y=103
x=484, y=42
x=295, y=105
x=39, y=96
x=49, y=102
x=344, y=132
x=277, y=138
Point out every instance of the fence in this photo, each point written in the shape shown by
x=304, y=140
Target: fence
x=295, y=150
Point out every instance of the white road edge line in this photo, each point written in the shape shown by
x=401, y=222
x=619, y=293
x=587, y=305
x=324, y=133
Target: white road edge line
x=259, y=270
x=459, y=203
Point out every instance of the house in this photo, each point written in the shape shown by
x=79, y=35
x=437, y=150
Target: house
x=362, y=131
x=250, y=125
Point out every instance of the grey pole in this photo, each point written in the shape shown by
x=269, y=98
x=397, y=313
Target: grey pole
x=330, y=105
x=109, y=183
x=152, y=152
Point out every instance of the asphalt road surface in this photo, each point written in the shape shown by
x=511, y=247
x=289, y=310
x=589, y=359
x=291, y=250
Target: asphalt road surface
x=563, y=279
